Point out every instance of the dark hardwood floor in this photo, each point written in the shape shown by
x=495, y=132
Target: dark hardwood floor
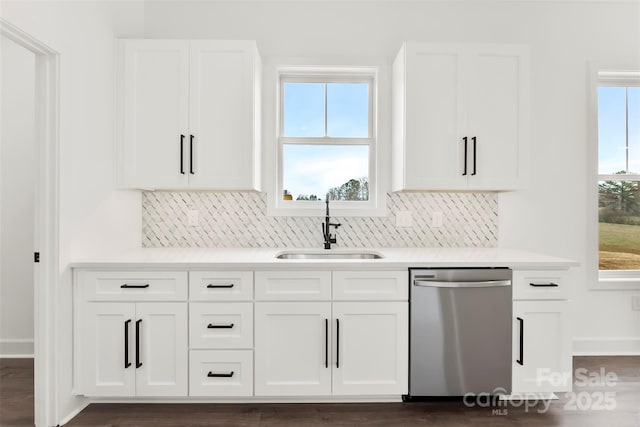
x=577, y=409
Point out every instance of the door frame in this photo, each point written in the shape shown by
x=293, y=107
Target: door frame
x=47, y=271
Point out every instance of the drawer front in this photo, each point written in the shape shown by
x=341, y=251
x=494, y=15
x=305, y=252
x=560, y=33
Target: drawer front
x=221, y=285
x=221, y=325
x=553, y=284
x=132, y=285
x=221, y=373
x=293, y=285
x=371, y=285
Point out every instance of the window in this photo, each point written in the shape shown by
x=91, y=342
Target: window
x=326, y=139
x=618, y=110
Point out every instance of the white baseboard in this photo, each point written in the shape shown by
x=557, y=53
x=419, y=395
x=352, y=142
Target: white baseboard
x=16, y=348
x=614, y=346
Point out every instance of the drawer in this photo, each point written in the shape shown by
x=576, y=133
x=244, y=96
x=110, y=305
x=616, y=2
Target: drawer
x=553, y=284
x=220, y=325
x=293, y=285
x=221, y=373
x=221, y=285
x=132, y=285
x=371, y=285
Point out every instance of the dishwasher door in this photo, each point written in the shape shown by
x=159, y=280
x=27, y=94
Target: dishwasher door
x=460, y=339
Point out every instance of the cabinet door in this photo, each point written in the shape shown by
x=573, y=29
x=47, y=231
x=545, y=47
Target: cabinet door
x=371, y=355
x=106, y=354
x=162, y=362
x=497, y=117
x=154, y=113
x=222, y=102
x=434, y=117
x=293, y=349
x=541, y=347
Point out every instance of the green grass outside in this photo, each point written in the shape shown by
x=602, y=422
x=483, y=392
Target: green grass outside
x=619, y=246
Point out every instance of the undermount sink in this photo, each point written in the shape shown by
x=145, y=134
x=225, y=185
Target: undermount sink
x=328, y=255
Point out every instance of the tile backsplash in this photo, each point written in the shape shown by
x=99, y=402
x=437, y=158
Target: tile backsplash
x=239, y=220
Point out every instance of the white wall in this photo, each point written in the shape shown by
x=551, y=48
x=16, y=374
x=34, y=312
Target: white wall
x=564, y=37
x=93, y=216
x=17, y=194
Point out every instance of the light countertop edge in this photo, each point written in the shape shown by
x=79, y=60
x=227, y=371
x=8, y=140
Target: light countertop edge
x=265, y=258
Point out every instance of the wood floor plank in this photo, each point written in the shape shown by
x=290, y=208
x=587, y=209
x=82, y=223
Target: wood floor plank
x=16, y=407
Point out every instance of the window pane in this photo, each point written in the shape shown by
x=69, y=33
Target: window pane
x=619, y=223
x=348, y=110
x=611, y=130
x=311, y=171
x=633, y=94
x=303, y=109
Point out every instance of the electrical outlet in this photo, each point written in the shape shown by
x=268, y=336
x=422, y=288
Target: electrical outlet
x=436, y=219
x=404, y=219
x=193, y=218
x=635, y=302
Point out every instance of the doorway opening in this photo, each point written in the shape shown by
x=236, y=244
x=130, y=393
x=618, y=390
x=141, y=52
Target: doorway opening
x=46, y=216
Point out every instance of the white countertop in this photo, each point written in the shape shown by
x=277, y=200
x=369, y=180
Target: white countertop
x=239, y=258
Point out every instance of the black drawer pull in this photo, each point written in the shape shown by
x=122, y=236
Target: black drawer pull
x=212, y=286
x=182, y=154
x=465, y=155
x=521, y=360
x=126, y=344
x=212, y=326
x=138, y=362
x=544, y=285
x=126, y=286
x=212, y=375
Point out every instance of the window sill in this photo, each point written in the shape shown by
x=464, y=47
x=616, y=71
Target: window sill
x=617, y=283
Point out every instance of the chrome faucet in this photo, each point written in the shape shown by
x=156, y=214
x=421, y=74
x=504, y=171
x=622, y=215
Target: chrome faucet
x=326, y=228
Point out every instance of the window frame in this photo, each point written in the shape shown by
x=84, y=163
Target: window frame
x=610, y=77
x=334, y=74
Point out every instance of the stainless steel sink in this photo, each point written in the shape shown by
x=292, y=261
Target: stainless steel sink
x=328, y=255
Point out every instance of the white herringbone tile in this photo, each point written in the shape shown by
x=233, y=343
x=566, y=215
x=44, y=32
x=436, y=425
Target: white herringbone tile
x=239, y=220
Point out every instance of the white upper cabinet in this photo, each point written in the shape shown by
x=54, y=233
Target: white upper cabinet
x=189, y=115
x=459, y=117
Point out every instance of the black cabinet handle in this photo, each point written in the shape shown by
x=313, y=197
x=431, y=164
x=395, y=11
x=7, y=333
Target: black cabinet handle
x=544, y=285
x=337, y=343
x=326, y=343
x=212, y=326
x=212, y=375
x=465, y=156
x=126, y=344
x=127, y=286
x=474, y=155
x=182, y=154
x=191, y=154
x=212, y=286
x=521, y=360
x=138, y=362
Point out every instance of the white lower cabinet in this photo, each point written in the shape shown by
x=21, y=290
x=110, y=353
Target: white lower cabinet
x=541, y=347
x=133, y=349
x=324, y=348
x=293, y=349
x=372, y=348
x=298, y=333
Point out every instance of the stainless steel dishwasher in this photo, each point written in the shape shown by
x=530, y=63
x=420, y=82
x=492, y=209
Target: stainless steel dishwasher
x=460, y=332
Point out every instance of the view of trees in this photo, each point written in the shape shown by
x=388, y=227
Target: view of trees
x=354, y=189
x=619, y=202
